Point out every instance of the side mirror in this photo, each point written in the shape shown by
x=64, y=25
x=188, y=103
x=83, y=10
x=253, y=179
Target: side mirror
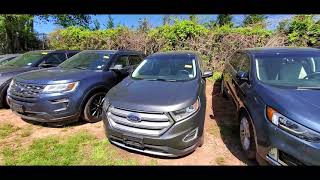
x=243, y=76
x=207, y=74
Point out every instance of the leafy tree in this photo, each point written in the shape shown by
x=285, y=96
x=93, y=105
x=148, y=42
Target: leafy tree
x=224, y=19
x=255, y=20
x=283, y=26
x=194, y=18
x=166, y=19
x=144, y=25
x=65, y=21
x=211, y=24
x=17, y=33
x=303, y=30
x=96, y=25
x=110, y=22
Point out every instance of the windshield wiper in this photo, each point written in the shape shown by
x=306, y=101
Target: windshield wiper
x=314, y=88
x=160, y=79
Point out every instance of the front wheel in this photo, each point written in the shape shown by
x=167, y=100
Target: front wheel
x=93, y=109
x=201, y=140
x=247, y=137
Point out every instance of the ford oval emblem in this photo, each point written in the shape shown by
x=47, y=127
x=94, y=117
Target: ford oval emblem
x=133, y=118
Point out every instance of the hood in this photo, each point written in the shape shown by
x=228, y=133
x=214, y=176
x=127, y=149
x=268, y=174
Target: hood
x=302, y=106
x=55, y=75
x=7, y=72
x=153, y=96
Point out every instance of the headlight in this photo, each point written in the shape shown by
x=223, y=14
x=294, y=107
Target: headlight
x=292, y=127
x=186, y=112
x=67, y=87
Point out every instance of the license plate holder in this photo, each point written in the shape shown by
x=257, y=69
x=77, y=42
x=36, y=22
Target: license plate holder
x=17, y=107
x=133, y=141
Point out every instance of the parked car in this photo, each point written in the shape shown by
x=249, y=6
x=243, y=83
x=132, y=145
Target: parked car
x=29, y=61
x=276, y=92
x=160, y=108
x=74, y=90
x=7, y=57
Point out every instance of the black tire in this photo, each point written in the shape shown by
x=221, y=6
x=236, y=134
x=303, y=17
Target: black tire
x=92, y=111
x=5, y=102
x=222, y=90
x=201, y=141
x=246, y=132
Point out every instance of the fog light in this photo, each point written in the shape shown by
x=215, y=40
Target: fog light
x=191, y=136
x=63, y=103
x=273, y=153
x=58, y=101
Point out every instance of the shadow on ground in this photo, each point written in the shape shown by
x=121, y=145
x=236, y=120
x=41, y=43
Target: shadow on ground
x=224, y=113
x=55, y=125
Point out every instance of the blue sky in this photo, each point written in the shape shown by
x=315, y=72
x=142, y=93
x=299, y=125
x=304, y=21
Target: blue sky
x=155, y=20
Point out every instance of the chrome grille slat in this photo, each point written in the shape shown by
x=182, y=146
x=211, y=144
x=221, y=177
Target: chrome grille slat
x=142, y=124
x=152, y=124
x=30, y=90
x=144, y=116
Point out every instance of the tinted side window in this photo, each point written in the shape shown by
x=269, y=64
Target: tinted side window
x=72, y=54
x=235, y=61
x=55, y=58
x=245, y=63
x=134, y=60
x=122, y=60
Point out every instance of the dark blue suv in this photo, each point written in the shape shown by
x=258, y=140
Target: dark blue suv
x=277, y=95
x=29, y=61
x=74, y=89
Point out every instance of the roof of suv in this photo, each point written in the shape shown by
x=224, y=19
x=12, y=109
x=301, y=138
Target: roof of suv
x=113, y=51
x=175, y=53
x=265, y=50
x=68, y=51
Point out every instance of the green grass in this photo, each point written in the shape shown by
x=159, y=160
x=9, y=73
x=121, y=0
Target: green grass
x=7, y=129
x=79, y=149
x=217, y=76
x=26, y=132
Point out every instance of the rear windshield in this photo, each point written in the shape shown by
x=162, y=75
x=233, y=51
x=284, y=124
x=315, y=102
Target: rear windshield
x=27, y=59
x=88, y=60
x=167, y=67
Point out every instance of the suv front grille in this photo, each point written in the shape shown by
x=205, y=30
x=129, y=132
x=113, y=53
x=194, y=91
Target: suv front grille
x=151, y=124
x=26, y=90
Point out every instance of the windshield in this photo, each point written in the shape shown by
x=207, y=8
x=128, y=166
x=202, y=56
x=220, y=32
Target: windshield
x=87, y=60
x=167, y=67
x=301, y=70
x=27, y=59
x=6, y=59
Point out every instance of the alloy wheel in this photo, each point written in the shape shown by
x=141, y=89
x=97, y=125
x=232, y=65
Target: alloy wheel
x=245, y=133
x=96, y=107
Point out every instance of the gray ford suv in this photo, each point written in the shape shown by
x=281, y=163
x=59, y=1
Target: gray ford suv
x=160, y=108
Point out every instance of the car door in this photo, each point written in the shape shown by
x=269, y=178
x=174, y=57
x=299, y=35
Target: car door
x=124, y=62
x=229, y=76
x=242, y=86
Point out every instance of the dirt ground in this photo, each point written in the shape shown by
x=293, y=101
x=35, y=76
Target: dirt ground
x=221, y=146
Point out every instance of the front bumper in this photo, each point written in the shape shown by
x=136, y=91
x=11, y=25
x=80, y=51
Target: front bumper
x=46, y=109
x=292, y=148
x=168, y=144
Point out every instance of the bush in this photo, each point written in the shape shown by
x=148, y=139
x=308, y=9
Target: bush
x=215, y=45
